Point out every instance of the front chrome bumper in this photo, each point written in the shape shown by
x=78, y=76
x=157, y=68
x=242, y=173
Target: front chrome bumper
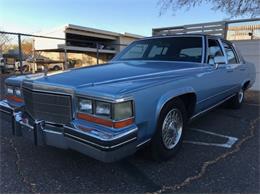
x=9, y=113
x=86, y=139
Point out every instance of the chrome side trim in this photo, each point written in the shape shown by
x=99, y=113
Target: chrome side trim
x=125, y=142
x=85, y=141
x=98, y=145
x=207, y=109
x=216, y=95
x=144, y=142
x=102, y=139
x=5, y=111
x=53, y=132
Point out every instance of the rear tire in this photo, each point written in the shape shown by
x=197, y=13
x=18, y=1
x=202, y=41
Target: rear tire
x=237, y=101
x=168, y=137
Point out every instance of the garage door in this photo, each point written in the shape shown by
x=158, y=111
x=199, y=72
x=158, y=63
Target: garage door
x=250, y=49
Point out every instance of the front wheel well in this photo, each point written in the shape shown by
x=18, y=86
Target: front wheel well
x=189, y=100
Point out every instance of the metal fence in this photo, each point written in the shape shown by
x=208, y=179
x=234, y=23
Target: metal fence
x=26, y=53
x=232, y=30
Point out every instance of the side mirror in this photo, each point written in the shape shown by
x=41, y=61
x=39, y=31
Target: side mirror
x=219, y=60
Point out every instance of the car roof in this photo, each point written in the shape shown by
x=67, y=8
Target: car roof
x=182, y=35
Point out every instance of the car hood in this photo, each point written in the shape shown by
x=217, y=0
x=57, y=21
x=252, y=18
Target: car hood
x=120, y=75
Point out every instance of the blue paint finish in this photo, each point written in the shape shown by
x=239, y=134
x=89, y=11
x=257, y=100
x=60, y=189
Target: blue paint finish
x=150, y=84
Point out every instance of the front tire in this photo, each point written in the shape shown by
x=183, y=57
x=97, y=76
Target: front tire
x=169, y=134
x=237, y=101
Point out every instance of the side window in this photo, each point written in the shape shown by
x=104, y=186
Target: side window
x=231, y=56
x=214, y=50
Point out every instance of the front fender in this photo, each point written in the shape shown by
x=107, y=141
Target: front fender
x=170, y=95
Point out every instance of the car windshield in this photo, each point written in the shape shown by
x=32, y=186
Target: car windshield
x=187, y=49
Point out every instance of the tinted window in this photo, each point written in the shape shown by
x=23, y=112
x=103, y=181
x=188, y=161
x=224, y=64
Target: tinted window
x=187, y=49
x=196, y=51
x=231, y=56
x=136, y=52
x=214, y=50
x=157, y=50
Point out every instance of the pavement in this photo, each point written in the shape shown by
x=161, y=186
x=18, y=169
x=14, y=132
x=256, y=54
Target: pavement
x=221, y=154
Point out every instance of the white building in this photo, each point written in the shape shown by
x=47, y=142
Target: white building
x=80, y=43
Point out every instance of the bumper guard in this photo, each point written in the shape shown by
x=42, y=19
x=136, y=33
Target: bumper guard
x=106, y=148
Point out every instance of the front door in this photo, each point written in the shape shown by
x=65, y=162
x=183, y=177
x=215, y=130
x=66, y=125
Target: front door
x=217, y=79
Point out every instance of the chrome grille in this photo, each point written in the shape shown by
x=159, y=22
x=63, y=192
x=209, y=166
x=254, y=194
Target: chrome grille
x=49, y=107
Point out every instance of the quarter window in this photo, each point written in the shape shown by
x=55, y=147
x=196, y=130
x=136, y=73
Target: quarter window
x=231, y=56
x=214, y=50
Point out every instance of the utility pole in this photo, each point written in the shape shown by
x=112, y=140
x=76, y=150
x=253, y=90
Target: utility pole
x=65, y=58
x=97, y=56
x=20, y=53
x=34, y=68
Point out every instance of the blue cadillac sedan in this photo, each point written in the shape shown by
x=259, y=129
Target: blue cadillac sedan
x=146, y=95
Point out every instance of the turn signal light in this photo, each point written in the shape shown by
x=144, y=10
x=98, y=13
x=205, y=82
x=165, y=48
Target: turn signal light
x=105, y=122
x=14, y=98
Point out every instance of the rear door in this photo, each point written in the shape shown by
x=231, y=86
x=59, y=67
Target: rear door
x=235, y=68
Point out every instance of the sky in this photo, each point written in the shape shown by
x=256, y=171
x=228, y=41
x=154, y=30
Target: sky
x=132, y=16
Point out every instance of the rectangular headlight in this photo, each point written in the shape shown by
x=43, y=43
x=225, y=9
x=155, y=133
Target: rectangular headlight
x=123, y=110
x=9, y=90
x=85, y=105
x=103, y=109
x=18, y=92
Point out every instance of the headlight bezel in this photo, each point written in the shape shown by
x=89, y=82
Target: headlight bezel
x=82, y=110
x=124, y=115
x=113, y=106
x=9, y=88
x=15, y=92
x=12, y=95
x=104, y=114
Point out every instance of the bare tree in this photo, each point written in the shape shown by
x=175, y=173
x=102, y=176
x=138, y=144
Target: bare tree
x=4, y=39
x=6, y=42
x=233, y=8
x=27, y=46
